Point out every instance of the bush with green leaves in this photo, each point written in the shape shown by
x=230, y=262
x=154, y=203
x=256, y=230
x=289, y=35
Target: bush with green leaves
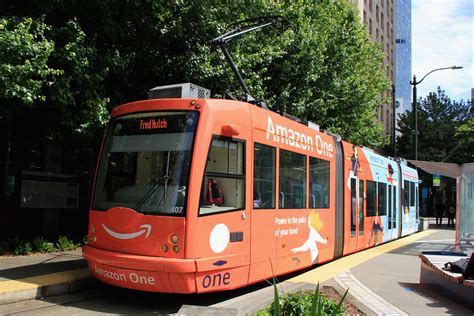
x=65, y=244
x=41, y=244
x=21, y=247
x=303, y=303
x=18, y=246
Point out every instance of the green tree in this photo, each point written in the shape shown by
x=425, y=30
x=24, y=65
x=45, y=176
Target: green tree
x=106, y=52
x=336, y=77
x=464, y=150
x=24, y=54
x=325, y=70
x=445, y=130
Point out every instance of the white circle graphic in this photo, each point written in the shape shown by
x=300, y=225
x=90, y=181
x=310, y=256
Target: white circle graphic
x=219, y=238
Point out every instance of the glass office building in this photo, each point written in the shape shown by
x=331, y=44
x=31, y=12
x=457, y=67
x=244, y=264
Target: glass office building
x=403, y=56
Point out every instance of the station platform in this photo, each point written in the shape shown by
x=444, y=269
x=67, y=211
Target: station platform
x=384, y=280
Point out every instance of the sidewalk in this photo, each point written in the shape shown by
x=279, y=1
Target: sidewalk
x=382, y=280
x=42, y=275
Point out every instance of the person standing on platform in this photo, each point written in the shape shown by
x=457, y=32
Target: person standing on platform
x=440, y=208
x=451, y=215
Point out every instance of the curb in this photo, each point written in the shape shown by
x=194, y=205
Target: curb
x=13, y=291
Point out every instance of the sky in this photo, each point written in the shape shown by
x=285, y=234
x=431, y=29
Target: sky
x=443, y=36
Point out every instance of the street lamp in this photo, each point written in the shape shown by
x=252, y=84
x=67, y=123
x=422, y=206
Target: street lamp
x=415, y=124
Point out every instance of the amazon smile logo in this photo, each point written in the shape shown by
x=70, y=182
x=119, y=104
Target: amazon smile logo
x=146, y=229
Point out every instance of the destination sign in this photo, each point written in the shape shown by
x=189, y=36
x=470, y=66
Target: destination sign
x=153, y=124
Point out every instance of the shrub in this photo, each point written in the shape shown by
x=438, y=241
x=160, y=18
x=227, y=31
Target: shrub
x=304, y=303
x=65, y=244
x=21, y=247
x=18, y=247
x=4, y=247
x=40, y=244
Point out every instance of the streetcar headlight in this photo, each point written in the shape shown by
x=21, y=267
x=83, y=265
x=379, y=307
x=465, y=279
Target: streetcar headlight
x=174, y=238
x=176, y=249
x=164, y=248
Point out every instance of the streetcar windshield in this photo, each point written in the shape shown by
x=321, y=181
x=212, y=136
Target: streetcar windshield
x=146, y=161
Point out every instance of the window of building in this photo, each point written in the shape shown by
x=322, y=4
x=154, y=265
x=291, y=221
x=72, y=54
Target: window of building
x=377, y=13
x=318, y=183
x=292, y=179
x=223, y=187
x=264, y=177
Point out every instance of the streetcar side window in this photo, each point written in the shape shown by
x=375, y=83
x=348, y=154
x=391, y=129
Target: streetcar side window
x=406, y=190
x=371, y=191
x=412, y=194
x=264, y=177
x=223, y=186
x=361, y=207
x=318, y=183
x=292, y=180
x=382, y=198
x=353, y=206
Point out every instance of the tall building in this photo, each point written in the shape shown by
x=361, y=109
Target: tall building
x=403, y=56
x=472, y=99
x=379, y=16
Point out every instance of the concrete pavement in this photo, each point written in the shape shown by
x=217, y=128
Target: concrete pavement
x=42, y=275
x=382, y=281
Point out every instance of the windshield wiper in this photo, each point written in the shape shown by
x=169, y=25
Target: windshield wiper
x=149, y=194
x=146, y=196
x=167, y=178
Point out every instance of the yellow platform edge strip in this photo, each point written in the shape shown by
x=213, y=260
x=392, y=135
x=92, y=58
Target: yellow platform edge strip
x=330, y=270
x=43, y=280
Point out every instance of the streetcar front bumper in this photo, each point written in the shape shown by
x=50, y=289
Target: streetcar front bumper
x=144, y=273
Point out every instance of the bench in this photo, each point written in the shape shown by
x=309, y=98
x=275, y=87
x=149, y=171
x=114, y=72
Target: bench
x=447, y=283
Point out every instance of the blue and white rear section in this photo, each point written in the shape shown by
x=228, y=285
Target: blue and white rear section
x=409, y=200
x=386, y=174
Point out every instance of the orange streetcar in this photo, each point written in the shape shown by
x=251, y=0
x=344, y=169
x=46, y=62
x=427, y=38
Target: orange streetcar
x=195, y=195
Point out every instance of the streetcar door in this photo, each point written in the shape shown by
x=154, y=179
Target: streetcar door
x=354, y=219
x=223, y=224
x=361, y=214
x=264, y=213
x=357, y=214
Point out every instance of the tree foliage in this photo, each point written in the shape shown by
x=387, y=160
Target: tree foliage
x=24, y=54
x=86, y=57
x=445, y=130
x=326, y=71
